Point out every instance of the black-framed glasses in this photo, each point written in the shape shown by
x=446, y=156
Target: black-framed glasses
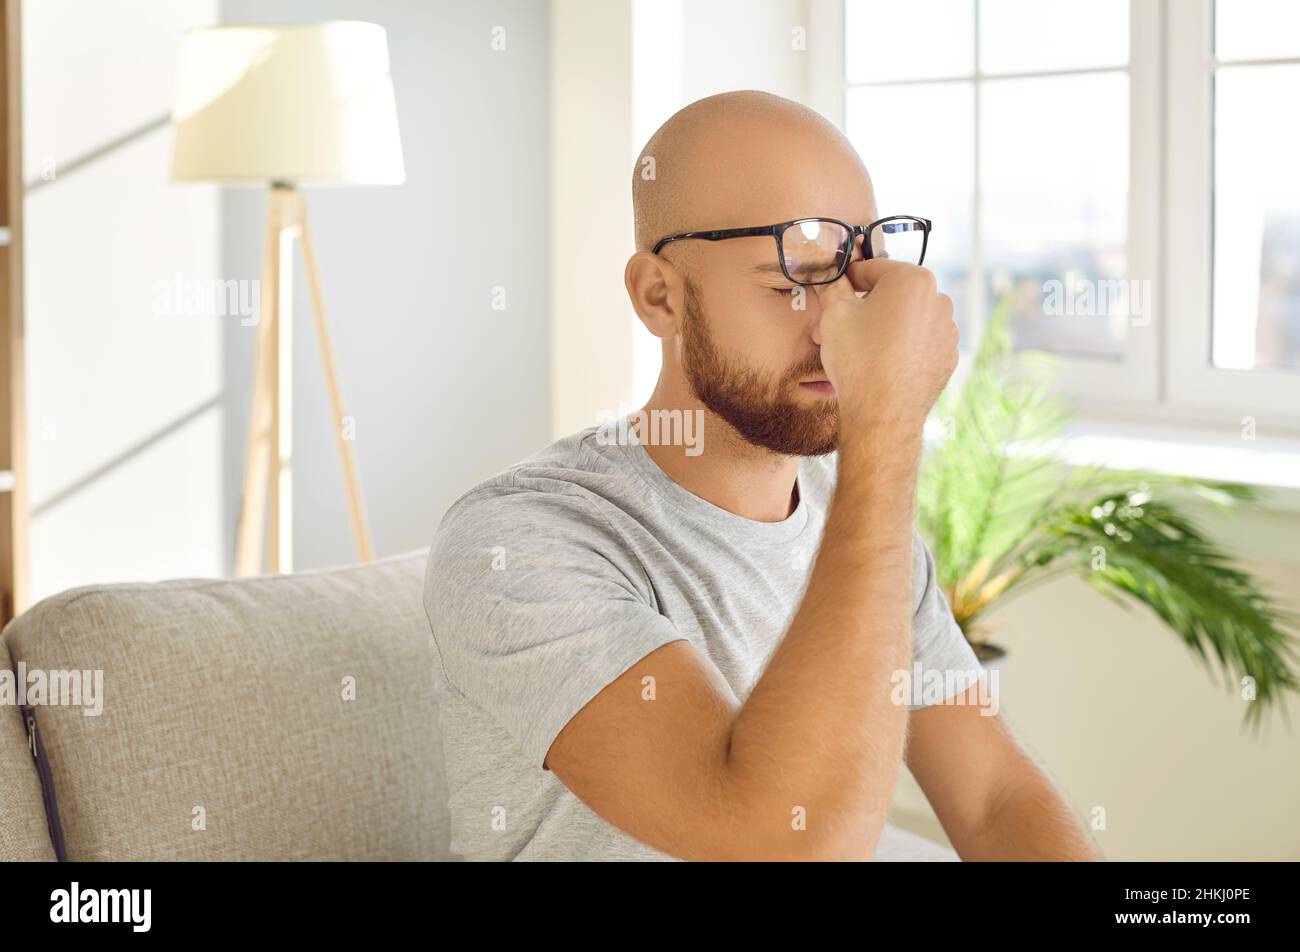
x=818, y=250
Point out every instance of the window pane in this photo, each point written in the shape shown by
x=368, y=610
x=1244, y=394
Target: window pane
x=1054, y=206
x=918, y=143
x=886, y=41
x=1256, y=219
x=1256, y=29
x=1030, y=35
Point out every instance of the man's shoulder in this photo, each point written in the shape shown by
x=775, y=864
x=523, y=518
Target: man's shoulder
x=545, y=491
x=542, y=518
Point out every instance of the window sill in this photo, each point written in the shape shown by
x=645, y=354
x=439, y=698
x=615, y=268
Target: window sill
x=1265, y=530
x=1271, y=464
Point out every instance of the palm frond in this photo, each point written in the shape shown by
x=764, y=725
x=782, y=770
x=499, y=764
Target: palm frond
x=1128, y=544
x=1002, y=514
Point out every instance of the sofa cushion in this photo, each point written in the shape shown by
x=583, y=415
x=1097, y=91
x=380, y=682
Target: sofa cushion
x=284, y=717
x=23, y=832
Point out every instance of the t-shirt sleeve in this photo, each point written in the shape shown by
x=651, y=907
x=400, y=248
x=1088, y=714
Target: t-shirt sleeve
x=535, y=606
x=943, y=662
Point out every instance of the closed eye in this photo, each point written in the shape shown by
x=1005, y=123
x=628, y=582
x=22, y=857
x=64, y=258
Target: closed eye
x=785, y=292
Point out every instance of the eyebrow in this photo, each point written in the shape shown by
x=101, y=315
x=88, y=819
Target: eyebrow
x=771, y=267
x=774, y=267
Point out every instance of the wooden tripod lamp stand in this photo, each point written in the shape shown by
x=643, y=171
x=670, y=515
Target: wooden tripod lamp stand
x=304, y=104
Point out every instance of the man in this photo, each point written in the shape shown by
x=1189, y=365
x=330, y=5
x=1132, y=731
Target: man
x=652, y=651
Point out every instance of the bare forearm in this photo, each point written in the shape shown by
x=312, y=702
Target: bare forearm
x=1031, y=822
x=820, y=733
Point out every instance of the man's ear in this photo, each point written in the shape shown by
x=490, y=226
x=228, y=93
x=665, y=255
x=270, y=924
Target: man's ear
x=655, y=288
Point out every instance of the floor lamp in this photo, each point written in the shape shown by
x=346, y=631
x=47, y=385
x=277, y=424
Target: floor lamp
x=288, y=105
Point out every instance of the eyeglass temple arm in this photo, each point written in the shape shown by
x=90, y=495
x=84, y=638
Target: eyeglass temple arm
x=718, y=234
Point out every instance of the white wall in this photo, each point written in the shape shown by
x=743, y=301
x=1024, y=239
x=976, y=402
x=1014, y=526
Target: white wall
x=592, y=324
x=124, y=405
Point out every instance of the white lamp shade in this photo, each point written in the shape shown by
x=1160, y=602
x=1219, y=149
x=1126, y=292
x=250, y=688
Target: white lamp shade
x=307, y=103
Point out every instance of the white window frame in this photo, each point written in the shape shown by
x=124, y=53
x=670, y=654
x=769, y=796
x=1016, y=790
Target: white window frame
x=1272, y=397
x=1164, y=375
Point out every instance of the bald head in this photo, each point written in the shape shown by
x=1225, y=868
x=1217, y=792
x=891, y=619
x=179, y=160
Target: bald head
x=745, y=158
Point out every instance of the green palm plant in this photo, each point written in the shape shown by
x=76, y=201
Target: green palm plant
x=1002, y=512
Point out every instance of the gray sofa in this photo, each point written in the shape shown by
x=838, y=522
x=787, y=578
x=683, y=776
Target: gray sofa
x=284, y=717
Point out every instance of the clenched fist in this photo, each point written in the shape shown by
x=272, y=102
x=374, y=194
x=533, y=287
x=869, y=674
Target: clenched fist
x=888, y=354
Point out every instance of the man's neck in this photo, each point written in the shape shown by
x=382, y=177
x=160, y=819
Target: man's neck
x=729, y=472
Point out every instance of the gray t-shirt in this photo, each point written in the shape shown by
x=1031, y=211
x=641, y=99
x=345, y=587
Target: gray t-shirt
x=548, y=581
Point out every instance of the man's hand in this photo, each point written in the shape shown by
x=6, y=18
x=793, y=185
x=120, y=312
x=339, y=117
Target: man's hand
x=888, y=354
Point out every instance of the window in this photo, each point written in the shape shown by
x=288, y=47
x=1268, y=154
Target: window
x=1233, y=218
x=1122, y=175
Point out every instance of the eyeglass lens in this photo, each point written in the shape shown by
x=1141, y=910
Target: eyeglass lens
x=814, y=250
x=901, y=240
